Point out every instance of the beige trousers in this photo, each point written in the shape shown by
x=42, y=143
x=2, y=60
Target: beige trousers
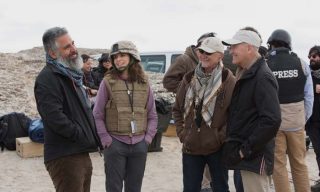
x=253, y=182
x=293, y=143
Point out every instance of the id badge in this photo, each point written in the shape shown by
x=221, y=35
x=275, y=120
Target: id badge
x=133, y=126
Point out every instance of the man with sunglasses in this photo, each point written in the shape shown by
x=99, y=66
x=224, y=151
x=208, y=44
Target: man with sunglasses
x=200, y=113
x=313, y=124
x=182, y=65
x=173, y=77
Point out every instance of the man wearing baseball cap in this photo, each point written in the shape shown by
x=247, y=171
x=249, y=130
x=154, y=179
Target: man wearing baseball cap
x=173, y=77
x=183, y=64
x=200, y=114
x=254, y=114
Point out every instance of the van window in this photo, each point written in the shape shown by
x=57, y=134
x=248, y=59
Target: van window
x=154, y=63
x=174, y=57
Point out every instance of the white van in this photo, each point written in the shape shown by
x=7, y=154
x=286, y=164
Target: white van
x=158, y=61
x=154, y=61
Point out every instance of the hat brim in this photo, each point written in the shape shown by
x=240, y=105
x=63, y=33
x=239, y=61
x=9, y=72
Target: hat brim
x=231, y=42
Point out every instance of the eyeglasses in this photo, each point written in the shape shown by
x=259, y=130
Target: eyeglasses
x=313, y=56
x=205, y=53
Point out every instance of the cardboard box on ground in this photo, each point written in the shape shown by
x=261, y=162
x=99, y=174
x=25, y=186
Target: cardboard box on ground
x=26, y=148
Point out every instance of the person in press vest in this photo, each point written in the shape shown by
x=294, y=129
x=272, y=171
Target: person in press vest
x=296, y=100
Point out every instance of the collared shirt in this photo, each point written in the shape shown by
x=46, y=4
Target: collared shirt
x=308, y=91
x=240, y=70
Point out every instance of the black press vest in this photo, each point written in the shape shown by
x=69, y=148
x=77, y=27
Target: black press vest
x=287, y=68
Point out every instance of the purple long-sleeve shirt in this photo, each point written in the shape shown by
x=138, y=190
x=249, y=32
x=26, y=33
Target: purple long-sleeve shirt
x=99, y=116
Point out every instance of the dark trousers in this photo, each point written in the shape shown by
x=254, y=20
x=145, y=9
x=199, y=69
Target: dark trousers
x=313, y=131
x=71, y=173
x=125, y=163
x=193, y=167
x=238, y=181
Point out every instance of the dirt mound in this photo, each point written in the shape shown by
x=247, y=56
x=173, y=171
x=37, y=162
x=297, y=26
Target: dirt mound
x=18, y=72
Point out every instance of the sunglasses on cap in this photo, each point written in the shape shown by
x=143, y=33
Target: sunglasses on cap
x=204, y=53
x=210, y=34
x=206, y=35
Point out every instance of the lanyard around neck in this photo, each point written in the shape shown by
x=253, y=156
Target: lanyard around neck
x=130, y=96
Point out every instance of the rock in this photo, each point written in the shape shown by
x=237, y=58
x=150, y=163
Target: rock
x=157, y=87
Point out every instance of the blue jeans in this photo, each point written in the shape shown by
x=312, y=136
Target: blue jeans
x=193, y=167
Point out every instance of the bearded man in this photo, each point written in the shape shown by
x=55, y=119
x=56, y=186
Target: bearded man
x=313, y=124
x=63, y=104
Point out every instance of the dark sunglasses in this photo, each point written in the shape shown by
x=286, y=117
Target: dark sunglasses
x=205, y=53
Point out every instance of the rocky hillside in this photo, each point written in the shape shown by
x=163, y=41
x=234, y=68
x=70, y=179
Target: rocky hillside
x=19, y=70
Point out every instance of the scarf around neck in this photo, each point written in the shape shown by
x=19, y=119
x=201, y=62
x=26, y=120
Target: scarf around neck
x=75, y=75
x=206, y=87
x=315, y=73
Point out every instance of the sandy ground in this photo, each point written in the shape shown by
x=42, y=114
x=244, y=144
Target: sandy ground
x=163, y=171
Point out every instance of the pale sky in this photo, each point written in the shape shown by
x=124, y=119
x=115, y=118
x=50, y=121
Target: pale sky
x=155, y=25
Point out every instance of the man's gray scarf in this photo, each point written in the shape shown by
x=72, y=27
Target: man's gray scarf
x=316, y=73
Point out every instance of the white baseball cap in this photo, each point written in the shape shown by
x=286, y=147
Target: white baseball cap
x=244, y=36
x=211, y=45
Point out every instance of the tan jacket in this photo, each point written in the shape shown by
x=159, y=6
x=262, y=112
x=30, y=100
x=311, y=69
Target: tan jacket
x=293, y=116
x=209, y=139
x=182, y=65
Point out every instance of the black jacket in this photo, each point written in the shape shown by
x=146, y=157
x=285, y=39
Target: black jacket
x=89, y=81
x=98, y=74
x=254, y=120
x=315, y=117
x=69, y=126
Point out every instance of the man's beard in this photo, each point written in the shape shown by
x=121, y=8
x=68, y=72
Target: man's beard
x=75, y=64
x=314, y=65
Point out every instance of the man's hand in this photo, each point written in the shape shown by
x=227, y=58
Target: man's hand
x=93, y=91
x=317, y=88
x=231, y=153
x=241, y=154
